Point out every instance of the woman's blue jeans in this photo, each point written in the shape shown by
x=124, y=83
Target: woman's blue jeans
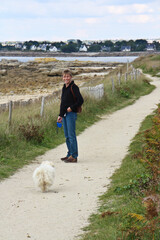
x=69, y=126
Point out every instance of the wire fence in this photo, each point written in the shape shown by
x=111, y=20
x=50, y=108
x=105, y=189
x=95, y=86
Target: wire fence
x=95, y=92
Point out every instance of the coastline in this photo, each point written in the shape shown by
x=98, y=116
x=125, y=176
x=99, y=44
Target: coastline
x=73, y=54
x=26, y=82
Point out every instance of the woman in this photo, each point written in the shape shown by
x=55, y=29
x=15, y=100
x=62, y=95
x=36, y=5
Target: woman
x=71, y=99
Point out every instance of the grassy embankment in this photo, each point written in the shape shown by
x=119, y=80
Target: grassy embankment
x=149, y=64
x=129, y=209
x=30, y=135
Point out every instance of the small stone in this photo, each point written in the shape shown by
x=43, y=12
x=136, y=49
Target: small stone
x=3, y=72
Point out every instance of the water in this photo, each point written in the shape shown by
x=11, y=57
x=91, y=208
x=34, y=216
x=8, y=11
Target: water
x=96, y=59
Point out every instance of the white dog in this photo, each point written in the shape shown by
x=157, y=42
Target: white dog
x=44, y=175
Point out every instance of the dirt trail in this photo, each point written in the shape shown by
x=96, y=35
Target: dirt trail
x=60, y=215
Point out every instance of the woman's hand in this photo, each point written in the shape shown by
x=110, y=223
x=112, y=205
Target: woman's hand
x=69, y=109
x=59, y=119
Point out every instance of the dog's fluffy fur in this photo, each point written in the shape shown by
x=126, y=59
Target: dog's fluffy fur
x=44, y=175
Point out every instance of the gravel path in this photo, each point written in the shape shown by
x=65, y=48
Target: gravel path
x=60, y=215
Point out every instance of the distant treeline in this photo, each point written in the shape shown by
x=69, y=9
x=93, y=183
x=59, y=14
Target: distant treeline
x=83, y=46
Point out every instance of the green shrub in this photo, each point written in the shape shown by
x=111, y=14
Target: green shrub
x=32, y=132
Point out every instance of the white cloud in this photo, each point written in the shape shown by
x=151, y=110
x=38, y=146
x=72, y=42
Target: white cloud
x=138, y=19
x=142, y=8
x=91, y=20
x=72, y=8
x=85, y=19
x=117, y=9
x=129, y=9
x=19, y=8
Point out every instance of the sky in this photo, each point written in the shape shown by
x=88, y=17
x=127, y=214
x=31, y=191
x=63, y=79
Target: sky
x=59, y=20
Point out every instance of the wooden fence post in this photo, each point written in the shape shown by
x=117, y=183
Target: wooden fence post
x=10, y=113
x=119, y=78
x=42, y=107
x=139, y=73
x=112, y=84
x=135, y=75
x=125, y=77
x=127, y=65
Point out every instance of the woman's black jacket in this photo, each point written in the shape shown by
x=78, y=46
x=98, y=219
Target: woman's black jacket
x=67, y=99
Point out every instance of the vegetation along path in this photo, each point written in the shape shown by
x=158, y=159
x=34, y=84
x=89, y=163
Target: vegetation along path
x=60, y=215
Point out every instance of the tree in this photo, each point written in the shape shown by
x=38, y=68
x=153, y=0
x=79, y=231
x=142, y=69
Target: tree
x=70, y=47
x=108, y=43
x=116, y=47
x=10, y=48
x=124, y=43
x=58, y=45
x=79, y=43
x=141, y=44
x=157, y=45
x=132, y=44
x=94, y=48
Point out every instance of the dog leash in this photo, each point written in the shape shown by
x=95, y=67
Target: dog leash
x=59, y=125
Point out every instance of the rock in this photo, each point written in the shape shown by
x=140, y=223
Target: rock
x=56, y=72
x=75, y=72
x=3, y=72
x=23, y=65
x=43, y=69
x=41, y=65
x=13, y=64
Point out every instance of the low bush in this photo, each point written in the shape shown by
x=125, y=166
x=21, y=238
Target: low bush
x=32, y=132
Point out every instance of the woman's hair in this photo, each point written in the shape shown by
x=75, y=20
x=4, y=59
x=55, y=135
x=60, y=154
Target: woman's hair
x=67, y=71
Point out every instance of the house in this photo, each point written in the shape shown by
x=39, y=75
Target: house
x=42, y=47
x=83, y=48
x=150, y=47
x=105, y=49
x=53, y=49
x=24, y=47
x=33, y=48
x=39, y=47
x=126, y=48
x=18, y=45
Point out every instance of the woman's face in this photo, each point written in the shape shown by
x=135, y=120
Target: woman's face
x=67, y=79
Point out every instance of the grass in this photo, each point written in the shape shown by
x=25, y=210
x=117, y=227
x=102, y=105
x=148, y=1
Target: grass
x=121, y=214
x=30, y=135
x=149, y=64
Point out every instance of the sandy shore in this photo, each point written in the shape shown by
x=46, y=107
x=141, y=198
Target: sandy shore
x=73, y=54
x=60, y=215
